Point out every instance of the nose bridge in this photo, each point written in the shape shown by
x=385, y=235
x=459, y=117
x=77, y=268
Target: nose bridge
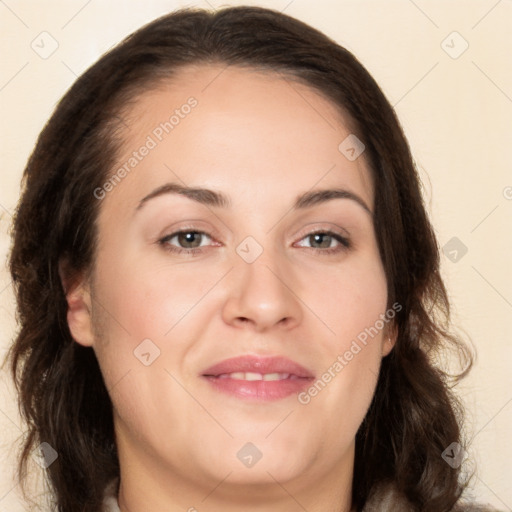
x=263, y=288
x=267, y=274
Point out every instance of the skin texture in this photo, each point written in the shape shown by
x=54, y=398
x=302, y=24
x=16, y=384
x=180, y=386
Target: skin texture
x=262, y=140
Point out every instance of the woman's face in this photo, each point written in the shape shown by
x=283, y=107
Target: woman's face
x=247, y=285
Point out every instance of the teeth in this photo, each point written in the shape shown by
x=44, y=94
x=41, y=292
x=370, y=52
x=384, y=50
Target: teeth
x=275, y=376
x=255, y=376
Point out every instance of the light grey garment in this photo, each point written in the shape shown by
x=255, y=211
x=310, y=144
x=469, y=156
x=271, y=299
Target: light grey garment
x=110, y=500
x=383, y=500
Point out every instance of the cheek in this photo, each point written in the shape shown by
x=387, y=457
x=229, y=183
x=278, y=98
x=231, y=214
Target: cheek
x=148, y=301
x=160, y=310
x=351, y=300
x=352, y=306
x=144, y=310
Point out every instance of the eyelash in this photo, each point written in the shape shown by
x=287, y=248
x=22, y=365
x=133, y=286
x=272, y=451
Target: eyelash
x=345, y=244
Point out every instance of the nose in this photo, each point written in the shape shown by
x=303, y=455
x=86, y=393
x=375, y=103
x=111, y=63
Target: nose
x=263, y=294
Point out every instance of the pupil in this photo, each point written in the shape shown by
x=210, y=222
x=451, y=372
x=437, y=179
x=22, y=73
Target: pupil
x=188, y=237
x=319, y=237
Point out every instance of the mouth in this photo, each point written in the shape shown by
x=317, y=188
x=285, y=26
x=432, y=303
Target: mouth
x=258, y=378
x=252, y=376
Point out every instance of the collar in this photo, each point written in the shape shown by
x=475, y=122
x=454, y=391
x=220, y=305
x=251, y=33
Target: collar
x=384, y=499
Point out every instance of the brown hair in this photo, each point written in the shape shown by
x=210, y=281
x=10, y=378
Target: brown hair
x=414, y=415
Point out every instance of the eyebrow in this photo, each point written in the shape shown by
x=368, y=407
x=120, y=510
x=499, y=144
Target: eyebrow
x=218, y=199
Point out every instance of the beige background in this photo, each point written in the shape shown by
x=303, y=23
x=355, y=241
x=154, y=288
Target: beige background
x=456, y=113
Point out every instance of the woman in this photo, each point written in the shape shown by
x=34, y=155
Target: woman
x=185, y=344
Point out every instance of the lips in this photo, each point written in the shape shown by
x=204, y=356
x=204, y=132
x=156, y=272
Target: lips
x=258, y=365
x=260, y=378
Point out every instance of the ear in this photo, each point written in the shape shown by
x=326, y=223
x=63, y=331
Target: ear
x=78, y=296
x=389, y=340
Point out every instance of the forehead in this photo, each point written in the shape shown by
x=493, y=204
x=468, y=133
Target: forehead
x=223, y=126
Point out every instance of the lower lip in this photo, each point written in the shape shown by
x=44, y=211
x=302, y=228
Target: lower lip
x=263, y=390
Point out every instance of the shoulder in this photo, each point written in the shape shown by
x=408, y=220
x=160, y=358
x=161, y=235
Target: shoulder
x=473, y=507
x=110, y=497
x=386, y=498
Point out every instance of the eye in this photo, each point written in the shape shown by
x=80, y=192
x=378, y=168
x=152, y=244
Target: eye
x=189, y=241
x=325, y=239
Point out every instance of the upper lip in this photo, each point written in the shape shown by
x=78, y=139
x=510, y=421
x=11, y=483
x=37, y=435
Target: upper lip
x=258, y=364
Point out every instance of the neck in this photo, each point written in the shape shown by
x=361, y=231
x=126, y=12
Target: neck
x=160, y=489
x=274, y=496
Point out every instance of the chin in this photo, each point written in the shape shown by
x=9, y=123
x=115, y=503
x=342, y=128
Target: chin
x=266, y=472
x=256, y=460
